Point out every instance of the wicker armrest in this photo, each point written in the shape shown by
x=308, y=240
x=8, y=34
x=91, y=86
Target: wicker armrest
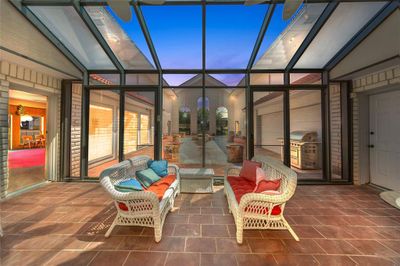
x=232, y=169
x=259, y=197
x=175, y=170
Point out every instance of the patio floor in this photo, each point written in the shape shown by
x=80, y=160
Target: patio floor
x=64, y=223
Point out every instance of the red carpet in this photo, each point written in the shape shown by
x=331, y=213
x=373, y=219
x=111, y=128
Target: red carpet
x=26, y=158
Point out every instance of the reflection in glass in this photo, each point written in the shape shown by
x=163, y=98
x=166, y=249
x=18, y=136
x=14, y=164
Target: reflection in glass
x=335, y=130
x=306, y=133
x=225, y=143
x=139, y=124
x=182, y=144
x=103, y=130
x=268, y=124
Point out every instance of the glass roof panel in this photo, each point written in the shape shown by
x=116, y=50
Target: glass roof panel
x=284, y=37
x=124, y=38
x=231, y=80
x=67, y=26
x=343, y=24
x=231, y=32
x=177, y=79
x=176, y=34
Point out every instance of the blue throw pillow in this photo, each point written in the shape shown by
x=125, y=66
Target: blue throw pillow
x=160, y=167
x=128, y=185
x=147, y=177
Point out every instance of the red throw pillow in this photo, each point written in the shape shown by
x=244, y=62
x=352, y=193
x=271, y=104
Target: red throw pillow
x=249, y=170
x=265, y=185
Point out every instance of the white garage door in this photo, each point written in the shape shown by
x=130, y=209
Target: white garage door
x=385, y=139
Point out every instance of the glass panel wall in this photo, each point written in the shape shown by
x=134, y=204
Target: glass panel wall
x=269, y=124
x=306, y=153
x=103, y=130
x=139, y=124
x=225, y=135
x=182, y=138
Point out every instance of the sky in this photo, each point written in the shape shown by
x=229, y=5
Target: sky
x=231, y=33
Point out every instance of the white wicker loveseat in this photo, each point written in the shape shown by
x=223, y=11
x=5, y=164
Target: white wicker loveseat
x=141, y=208
x=253, y=210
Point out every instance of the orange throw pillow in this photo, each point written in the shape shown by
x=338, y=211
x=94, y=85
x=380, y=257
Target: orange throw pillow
x=249, y=170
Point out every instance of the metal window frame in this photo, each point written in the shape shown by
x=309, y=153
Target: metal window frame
x=21, y=5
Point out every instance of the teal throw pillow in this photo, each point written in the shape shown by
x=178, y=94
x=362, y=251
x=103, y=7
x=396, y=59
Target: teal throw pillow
x=160, y=167
x=147, y=177
x=128, y=185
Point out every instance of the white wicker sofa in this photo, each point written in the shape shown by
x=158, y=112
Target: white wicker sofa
x=141, y=208
x=253, y=211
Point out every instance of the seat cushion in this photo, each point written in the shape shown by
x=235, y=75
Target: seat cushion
x=249, y=170
x=128, y=185
x=147, y=177
x=162, y=185
x=266, y=185
x=242, y=186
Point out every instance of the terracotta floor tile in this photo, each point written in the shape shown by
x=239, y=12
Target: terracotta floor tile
x=187, y=230
x=75, y=258
x=19, y=257
x=200, y=219
x=267, y=246
x=214, y=230
x=217, y=260
x=305, y=246
x=136, y=258
x=173, y=244
x=135, y=243
x=287, y=259
x=68, y=221
x=255, y=259
x=372, y=247
x=212, y=210
x=102, y=243
x=197, y=244
x=334, y=232
x=337, y=247
x=393, y=244
x=334, y=260
x=223, y=219
x=229, y=245
x=372, y=261
x=107, y=258
x=183, y=259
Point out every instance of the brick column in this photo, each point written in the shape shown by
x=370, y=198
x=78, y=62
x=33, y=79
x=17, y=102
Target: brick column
x=335, y=127
x=76, y=122
x=4, y=88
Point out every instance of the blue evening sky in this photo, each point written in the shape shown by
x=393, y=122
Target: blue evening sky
x=231, y=32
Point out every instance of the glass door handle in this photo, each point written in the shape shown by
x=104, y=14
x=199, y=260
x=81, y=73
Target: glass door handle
x=371, y=146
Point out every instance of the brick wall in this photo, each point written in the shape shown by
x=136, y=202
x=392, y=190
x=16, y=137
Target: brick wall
x=4, y=87
x=364, y=84
x=335, y=131
x=76, y=129
x=16, y=75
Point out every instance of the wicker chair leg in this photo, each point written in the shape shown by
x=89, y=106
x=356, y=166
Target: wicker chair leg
x=239, y=233
x=289, y=228
x=111, y=227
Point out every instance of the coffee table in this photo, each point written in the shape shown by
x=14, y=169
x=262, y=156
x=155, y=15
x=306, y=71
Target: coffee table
x=197, y=180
